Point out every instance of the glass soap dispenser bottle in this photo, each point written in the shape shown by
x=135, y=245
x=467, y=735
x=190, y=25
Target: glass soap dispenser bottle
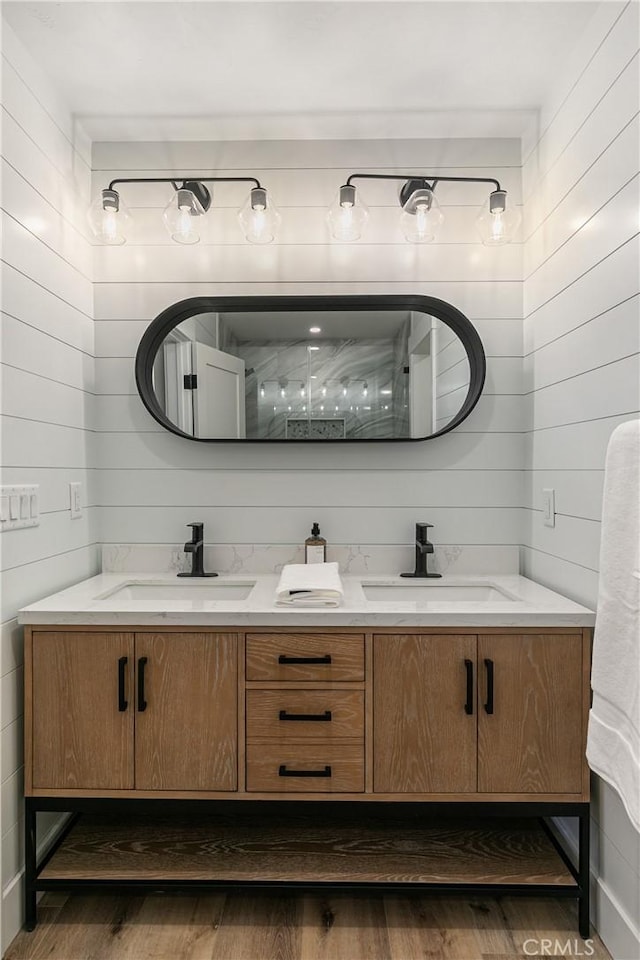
x=315, y=547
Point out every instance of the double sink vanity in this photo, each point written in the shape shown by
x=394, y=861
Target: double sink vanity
x=190, y=699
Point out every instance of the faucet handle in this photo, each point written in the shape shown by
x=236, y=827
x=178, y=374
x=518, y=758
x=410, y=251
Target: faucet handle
x=421, y=531
x=198, y=530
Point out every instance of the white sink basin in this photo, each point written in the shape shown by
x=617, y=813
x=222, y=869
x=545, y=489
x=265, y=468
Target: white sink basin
x=436, y=592
x=199, y=591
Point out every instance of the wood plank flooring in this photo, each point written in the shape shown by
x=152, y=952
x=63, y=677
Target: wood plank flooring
x=342, y=926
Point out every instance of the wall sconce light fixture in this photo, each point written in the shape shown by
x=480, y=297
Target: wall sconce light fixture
x=421, y=216
x=110, y=219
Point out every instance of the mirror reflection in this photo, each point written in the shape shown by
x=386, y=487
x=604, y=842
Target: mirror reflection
x=311, y=375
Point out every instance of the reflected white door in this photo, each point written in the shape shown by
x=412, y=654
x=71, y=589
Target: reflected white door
x=219, y=400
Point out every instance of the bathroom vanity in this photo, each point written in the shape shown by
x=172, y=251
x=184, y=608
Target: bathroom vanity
x=146, y=697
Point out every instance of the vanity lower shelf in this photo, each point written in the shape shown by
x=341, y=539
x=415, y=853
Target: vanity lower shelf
x=297, y=850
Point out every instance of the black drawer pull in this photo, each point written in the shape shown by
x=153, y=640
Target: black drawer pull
x=283, y=772
x=123, y=703
x=468, y=707
x=142, y=703
x=283, y=658
x=488, y=707
x=305, y=716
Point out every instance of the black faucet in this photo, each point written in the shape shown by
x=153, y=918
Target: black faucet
x=423, y=548
x=195, y=547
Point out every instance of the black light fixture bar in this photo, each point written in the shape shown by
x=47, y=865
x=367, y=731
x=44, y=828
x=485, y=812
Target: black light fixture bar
x=429, y=179
x=172, y=180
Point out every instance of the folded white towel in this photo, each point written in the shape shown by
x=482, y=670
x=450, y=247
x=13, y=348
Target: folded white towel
x=310, y=585
x=613, y=743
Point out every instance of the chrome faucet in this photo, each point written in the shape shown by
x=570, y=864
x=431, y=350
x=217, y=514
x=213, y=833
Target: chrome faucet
x=195, y=547
x=423, y=549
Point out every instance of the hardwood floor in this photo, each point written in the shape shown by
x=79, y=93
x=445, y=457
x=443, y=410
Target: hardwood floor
x=342, y=926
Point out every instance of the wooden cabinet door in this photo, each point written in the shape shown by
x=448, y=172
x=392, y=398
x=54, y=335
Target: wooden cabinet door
x=530, y=738
x=82, y=730
x=187, y=723
x=424, y=738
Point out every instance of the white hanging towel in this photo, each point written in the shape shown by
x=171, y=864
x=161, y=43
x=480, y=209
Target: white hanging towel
x=613, y=742
x=310, y=585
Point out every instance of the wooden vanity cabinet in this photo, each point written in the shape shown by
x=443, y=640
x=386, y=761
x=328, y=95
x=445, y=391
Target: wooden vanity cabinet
x=122, y=711
x=501, y=715
x=81, y=739
x=424, y=724
x=531, y=709
x=454, y=714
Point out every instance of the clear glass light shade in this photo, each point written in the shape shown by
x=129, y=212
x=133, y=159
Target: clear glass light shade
x=497, y=220
x=421, y=217
x=109, y=218
x=259, y=218
x=347, y=215
x=180, y=216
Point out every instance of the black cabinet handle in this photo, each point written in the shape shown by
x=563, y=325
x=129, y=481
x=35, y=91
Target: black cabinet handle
x=142, y=703
x=283, y=772
x=283, y=658
x=488, y=707
x=468, y=707
x=123, y=703
x=305, y=716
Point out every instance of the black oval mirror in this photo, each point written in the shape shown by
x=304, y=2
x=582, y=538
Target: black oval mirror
x=304, y=369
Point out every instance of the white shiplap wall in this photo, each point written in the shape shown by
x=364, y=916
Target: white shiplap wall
x=47, y=370
x=468, y=483
x=581, y=360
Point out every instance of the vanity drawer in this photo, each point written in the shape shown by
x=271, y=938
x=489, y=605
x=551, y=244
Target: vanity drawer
x=305, y=767
x=312, y=714
x=305, y=656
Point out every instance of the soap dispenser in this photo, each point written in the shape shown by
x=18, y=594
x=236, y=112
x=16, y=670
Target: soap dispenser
x=315, y=547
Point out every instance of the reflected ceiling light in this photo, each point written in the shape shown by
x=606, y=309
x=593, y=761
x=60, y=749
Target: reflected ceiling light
x=315, y=330
x=347, y=214
x=497, y=222
x=109, y=218
x=421, y=216
x=262, y=389
x=258, y=218
x=313, y=348
x=365, y=389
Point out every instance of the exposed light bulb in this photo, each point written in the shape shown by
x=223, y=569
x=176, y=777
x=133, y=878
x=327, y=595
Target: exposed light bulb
x=109, y=218
x=259, y=219
x=262, y=389
x=497, y=221
x=347, y=215
x=180, y=216
x=421, y=215
x=365, y=390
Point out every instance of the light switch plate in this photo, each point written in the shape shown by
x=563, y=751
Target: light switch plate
x=75, y=500
x=19, y=506
x=549, y=507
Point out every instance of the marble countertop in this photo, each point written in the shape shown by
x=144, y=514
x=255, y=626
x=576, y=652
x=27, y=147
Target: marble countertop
x=105, y=600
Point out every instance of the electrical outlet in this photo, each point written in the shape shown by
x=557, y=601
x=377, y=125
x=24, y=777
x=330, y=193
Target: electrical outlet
x=549, y=507
x=75, y=500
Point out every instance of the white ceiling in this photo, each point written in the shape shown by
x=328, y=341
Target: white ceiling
x=273, y=69
x=334, y=325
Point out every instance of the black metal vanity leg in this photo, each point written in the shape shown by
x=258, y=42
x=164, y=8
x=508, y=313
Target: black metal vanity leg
x=30, y=865
x=583, y=872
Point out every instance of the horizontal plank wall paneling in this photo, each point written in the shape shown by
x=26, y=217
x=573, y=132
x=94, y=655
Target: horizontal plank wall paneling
x=47, y=386
x=582, y=361
x=151, y=483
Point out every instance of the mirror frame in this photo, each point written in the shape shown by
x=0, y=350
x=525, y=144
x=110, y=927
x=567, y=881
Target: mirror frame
x=158, y=329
